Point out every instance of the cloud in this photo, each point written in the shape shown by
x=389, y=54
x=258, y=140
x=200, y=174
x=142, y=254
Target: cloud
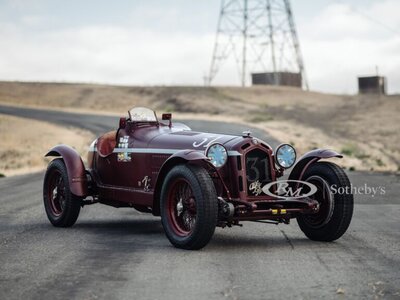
x=338, y=44
x=110, y=54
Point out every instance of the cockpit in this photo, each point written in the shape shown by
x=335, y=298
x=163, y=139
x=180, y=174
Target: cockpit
x=137, y=117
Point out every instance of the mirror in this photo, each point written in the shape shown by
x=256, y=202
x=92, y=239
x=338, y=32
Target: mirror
x=166, y=117
x=122, y=122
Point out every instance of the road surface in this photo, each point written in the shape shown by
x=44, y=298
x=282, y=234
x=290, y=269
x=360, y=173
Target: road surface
x=123, y=254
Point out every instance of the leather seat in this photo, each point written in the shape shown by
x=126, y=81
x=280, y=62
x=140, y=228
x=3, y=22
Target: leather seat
x=106, y=143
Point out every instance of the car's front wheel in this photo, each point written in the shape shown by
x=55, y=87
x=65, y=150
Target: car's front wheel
x=189, y=207
x=335, y=203
x=62, y=207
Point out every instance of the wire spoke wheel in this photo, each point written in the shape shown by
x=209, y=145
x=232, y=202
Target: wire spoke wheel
x=61, y=206
x=335, y=212
x=325, y=200
x=188, y=206
x=56, y=192
x=182, y=207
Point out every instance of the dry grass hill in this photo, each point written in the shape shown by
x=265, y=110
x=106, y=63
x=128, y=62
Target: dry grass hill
x=364, y=128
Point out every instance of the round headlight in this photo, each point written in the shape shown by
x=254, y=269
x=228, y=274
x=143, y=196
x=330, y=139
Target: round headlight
x=285, y=156
x=217, y=155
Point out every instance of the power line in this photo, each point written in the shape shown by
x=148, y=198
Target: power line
x=369, y=18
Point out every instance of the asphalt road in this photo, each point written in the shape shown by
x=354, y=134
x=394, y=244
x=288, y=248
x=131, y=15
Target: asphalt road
x=123, y=254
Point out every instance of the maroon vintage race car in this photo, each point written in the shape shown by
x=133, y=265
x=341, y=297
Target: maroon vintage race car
x=196, y=181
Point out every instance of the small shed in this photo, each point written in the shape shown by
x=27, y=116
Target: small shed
x=372, y=85
x=277, y=78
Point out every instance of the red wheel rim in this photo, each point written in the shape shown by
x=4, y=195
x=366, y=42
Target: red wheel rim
x=56, y=193
x=181, y=206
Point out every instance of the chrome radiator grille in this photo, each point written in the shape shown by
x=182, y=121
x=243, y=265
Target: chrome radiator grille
x=257, y=170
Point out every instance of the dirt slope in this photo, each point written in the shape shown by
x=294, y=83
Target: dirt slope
x=25, y=142
x=365, y=128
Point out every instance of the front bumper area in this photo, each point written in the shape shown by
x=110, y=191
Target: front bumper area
x=280, y=210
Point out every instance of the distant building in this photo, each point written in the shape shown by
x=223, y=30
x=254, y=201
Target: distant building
x=372, y=85
x=277, y=78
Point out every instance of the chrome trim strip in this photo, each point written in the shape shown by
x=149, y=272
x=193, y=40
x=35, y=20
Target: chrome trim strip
x=145, y=150
x=234, y=153
x=92, y=147
x=153, y=150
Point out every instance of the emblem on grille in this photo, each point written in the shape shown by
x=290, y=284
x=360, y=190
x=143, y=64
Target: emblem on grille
x=255, y=188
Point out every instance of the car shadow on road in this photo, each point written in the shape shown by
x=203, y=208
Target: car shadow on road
x=124, y=227
x=273, y=238
x=150, y=233
x=233, y=242
x=150, y=229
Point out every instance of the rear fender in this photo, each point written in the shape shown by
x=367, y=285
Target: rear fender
x=309, y=158
x=180, y=157
x=75, y=168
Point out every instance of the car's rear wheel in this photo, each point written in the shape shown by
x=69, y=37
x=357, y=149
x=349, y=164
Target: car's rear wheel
x=62, y=207
x=335, y=209
x=189, y=207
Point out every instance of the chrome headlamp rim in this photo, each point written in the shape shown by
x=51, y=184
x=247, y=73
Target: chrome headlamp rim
x=226, y=154
x=276, y=155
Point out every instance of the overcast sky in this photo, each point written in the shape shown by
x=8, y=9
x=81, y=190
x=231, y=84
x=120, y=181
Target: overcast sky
x=170, y=42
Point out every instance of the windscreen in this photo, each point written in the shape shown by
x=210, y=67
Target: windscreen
x=142, y=114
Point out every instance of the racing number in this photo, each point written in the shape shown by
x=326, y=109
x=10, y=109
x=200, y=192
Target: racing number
x=253, y=168
x=204, y=141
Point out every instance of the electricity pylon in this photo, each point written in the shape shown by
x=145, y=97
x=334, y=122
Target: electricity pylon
x=259, y=36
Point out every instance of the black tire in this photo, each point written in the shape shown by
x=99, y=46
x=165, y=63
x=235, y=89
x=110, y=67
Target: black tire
x=336, y=209
x=193, y=188
x=61, y=206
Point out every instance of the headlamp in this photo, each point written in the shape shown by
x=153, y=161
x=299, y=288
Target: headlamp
x=217, y=155
x=285, y=156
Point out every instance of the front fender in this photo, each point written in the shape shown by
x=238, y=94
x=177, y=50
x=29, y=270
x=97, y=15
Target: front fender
x=75, y=168
x=182, y=156
x=179, y=157
x=307, y=159
x=188, y=155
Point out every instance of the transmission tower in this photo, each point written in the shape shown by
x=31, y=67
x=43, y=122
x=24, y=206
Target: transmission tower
x=258, y=36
